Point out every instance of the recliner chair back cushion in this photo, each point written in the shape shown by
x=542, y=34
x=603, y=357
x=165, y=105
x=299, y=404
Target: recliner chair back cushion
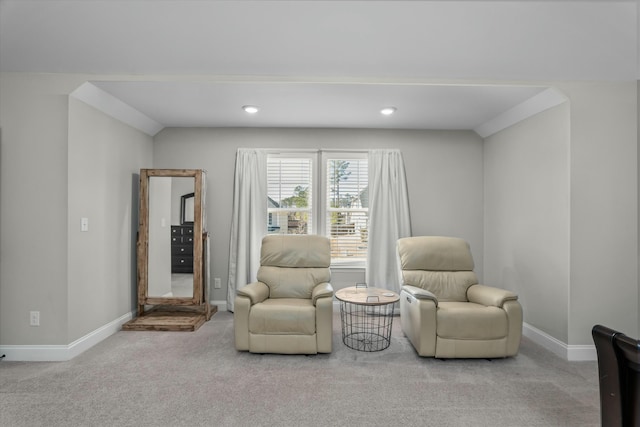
x=441, y=265
x=445, y=285
x=435, y=253
x=292, y=282
x=293, y=265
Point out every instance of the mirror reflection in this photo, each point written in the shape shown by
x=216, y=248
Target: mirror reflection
x=170, y=258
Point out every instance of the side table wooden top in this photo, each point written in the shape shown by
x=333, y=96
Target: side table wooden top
x=367, y=296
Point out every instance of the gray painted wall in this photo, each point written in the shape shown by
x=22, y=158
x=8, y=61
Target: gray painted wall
x=568, y=286
x=527, y=216
x=444, y=173
x=33, y=196
x=105, y=157
x=77, y=282
x=35, y=230
x=604, y=208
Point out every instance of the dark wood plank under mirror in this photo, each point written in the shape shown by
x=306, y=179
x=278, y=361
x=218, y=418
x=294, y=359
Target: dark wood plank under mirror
x=172, y=238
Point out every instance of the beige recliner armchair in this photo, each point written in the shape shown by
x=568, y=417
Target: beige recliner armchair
x=444, y=312
x=289, y=310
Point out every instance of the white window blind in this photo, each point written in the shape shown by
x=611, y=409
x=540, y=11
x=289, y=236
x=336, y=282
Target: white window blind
x=347, y=208
x=290, y=192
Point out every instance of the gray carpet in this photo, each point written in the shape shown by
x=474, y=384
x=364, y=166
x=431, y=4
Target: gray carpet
x=199, y=379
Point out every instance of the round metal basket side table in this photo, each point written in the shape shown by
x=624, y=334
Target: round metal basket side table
x=366, y=315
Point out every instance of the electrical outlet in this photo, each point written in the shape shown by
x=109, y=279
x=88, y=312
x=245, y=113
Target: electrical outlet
x=34, y=318
x=217, y=284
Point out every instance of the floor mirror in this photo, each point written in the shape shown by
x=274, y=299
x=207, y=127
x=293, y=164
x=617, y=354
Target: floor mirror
x=172, y=252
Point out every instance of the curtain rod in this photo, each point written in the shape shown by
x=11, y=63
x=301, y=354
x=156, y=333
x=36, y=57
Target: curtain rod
x=315, y=150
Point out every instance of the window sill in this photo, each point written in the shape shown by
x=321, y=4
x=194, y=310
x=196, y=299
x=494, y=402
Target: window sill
x=349, y=266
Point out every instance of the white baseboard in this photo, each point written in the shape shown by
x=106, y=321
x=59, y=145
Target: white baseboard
x=61, y=353
x=222, y=305
x=572, y=353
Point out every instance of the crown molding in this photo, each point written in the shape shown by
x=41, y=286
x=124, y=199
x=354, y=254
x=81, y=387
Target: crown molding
x=536, y=104
x=112, y=106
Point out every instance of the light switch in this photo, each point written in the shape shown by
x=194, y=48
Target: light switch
x=84, y=224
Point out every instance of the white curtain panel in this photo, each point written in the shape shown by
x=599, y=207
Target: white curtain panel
x=389, y=217
x=249, y=220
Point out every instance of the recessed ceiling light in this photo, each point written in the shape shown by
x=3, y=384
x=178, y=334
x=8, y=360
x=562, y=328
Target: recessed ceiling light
x=251, y=109
x=387, y=111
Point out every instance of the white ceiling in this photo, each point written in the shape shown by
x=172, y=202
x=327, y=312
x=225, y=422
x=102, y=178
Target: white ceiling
x=322, y=63
x=201, y=104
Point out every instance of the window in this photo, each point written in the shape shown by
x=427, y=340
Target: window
x=346, y=208
x=340, y=212
x=290, y=195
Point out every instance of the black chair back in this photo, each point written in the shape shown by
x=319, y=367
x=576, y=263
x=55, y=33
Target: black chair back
x=619, y=373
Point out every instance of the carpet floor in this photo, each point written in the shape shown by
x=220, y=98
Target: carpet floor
x=199, y=379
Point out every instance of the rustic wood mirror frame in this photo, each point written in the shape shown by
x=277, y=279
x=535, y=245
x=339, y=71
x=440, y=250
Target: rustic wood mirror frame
x=171, y=313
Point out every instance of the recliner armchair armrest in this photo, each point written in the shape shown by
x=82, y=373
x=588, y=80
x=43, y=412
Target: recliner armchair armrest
x=256, y=292
x=489, y=295
x=321, y=290
x=420, y=293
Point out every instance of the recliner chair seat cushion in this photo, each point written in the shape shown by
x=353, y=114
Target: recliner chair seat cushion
x=283, y=316
x=466, y=320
